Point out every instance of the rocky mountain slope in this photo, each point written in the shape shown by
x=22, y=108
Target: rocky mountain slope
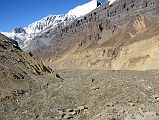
x=121, y=52
x=107, y=38
x=20, y=73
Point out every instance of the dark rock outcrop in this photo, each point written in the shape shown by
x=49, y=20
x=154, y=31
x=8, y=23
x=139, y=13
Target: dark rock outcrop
x=19, y=30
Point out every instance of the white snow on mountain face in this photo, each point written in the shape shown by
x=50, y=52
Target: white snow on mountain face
x=42, y=24
x=111, y=1
x=22, y=39
x=54, y=20
x=83, y=9
x=30, y=31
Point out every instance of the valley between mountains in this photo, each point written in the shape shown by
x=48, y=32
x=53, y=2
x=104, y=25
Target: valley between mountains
x=100, y=61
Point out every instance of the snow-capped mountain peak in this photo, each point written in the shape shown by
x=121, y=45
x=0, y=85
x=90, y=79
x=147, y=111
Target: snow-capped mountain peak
x=53, y=20
x=83, y=9
x=25, y=35
x=18, y=30
x=42, y=24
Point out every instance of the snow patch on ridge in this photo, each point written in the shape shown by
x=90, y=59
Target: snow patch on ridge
x=111, y=1
x=40, y=25
x=83, y=9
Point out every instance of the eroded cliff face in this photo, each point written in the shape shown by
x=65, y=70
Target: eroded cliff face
x=131, y=57
x=117, y=14
x=131, y=47
x=89, y=41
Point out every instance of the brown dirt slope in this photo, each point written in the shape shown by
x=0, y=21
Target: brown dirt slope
x=18, y=70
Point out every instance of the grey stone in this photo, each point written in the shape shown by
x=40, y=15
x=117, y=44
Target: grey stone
x=152, y=118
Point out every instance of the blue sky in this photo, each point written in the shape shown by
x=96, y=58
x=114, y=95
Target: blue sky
x=19, y=13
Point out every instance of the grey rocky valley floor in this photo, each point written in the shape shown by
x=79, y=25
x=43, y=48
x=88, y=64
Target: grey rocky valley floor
x=90, y=95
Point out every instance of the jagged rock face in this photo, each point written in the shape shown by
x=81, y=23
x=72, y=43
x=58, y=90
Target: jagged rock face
x=111, y=25
x=111, y=54
x=18, y=70
x=101, y=28
x=122, y=11
x=19, y=30
x=77, y=39
x=132, y=47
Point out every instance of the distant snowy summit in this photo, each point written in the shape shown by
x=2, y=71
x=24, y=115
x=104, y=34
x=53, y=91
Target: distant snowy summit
x=42, y=24
x=84, y=9
x=19, y=30
x=24, y=35
x=53, y=20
